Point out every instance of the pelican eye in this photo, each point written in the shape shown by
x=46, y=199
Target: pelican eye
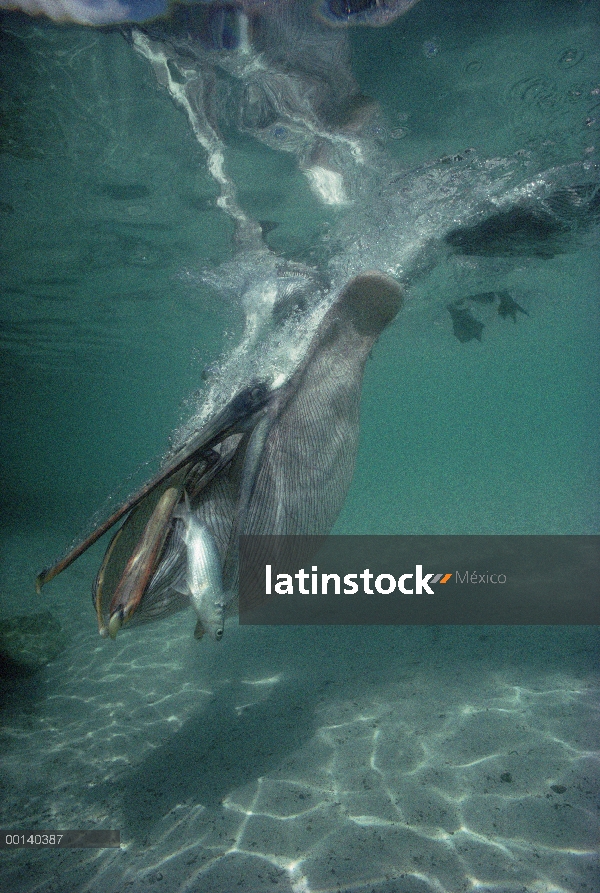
x=218, y=634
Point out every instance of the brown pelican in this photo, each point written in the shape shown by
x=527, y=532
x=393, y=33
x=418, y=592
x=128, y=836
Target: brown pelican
x=272, y=461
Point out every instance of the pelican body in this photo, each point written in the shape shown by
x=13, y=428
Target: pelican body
x=273, y=461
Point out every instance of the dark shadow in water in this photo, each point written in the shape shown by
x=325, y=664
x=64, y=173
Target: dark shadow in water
x=522, y=231
x=511, y=233
x=215, y=752
x=22, y=689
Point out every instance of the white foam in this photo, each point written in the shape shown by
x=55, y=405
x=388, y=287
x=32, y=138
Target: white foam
x=327, y=185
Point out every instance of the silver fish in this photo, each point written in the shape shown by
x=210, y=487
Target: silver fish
x=203, y=580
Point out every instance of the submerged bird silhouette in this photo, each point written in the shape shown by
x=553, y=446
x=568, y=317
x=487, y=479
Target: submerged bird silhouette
x=273, y=461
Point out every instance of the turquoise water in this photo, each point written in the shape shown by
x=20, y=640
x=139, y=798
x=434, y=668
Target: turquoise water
x=298, y=759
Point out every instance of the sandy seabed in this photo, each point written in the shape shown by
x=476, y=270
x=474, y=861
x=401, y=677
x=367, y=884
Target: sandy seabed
x=382, y=759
